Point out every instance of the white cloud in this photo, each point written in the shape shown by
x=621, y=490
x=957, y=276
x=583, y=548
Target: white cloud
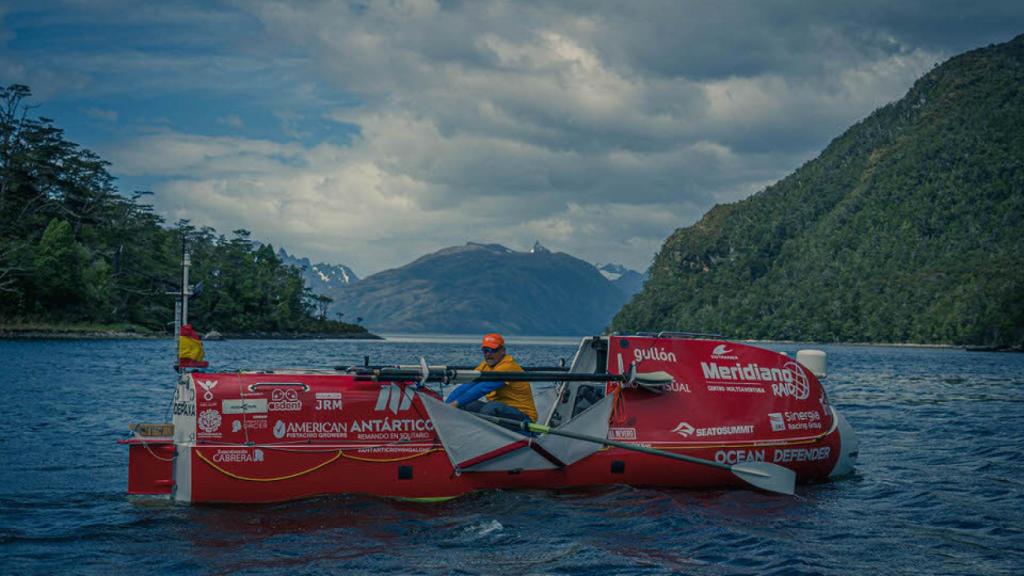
x=360, y=205
x=232, y=120
x=101, y=114
x=597, y=128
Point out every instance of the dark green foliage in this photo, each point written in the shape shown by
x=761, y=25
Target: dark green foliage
x=59, y=259
x=908, y=228
x=72, y=249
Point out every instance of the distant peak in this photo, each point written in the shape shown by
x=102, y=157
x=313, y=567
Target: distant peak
x=489, y=247
x=539, y=248
x=324, y=273
x=468, y=247
x=292, y=259
x=614, y=272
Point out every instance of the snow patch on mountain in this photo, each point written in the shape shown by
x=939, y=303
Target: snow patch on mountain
x=320, y=277
x=629, y=281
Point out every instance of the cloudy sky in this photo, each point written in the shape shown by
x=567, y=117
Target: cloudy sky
x=370, y=133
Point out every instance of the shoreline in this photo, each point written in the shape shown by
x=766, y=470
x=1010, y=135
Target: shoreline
x=96, y=333
x=113, y=334
x=883, y=344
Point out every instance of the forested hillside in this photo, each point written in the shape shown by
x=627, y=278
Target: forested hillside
x=908, y=228
x=73, y=250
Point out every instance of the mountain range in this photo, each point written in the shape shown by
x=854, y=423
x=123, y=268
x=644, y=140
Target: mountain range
x=319, y=277
x=478, y=288
x=909, y=227
x=628, y=281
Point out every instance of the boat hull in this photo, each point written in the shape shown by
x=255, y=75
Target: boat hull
x=266, y=473
x=273, y=436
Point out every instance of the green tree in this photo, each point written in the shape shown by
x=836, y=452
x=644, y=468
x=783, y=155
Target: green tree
x=73, y=248
x=58, y=267
x=909, y=227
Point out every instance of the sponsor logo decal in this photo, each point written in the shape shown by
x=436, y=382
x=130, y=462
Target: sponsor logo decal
x=208, y=386
x=744, y=373
x=722, y=352
x=393, y=398
x=778, y=455
x=653, y=353
x=238, y=455
x=209, y=421
x=735, y=388
x=310, y=430
x=789, y=380
x=803, y=420
x=328, y=400
x=244, y=406
x=798, y=387
x=685, y=430
x=737, y=456
x=184, y=399
x=679, y=387
x=256, y=423
x=184, y=391
x=622, y=433
x=801, y=454
x=373, y=429
x=284, y=400
x=371, y=450
x=778, y=424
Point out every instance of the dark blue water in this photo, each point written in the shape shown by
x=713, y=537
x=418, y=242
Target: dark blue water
x=939, y=489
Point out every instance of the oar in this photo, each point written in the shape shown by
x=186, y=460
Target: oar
x=369, y=369
x=764, y=475
x=448, y=376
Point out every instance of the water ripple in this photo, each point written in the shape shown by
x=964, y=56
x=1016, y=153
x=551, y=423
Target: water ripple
x=937, y=490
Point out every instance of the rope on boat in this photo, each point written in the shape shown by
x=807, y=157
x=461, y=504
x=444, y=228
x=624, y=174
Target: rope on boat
x=153, y=454
x=339, y=454
x=276, y=479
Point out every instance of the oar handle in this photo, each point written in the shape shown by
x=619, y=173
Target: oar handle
x=652, y=381
x=460, y=376
x=368, y=369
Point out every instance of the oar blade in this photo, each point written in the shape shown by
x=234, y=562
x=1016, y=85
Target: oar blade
x=767, y=476
x=660, y=377
x=652, y=381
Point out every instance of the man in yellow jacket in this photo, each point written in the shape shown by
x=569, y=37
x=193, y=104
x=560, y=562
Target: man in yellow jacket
x=510, y=399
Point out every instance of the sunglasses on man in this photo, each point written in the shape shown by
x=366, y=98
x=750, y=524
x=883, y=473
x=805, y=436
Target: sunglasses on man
x=487, y=350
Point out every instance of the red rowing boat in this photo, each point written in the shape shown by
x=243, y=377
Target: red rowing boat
x=661, y=411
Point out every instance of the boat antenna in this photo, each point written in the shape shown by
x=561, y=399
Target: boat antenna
x=186, y=262
x=181, y=303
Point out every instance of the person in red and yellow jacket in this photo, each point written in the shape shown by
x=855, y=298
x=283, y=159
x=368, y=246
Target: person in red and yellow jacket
x=510, y=399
